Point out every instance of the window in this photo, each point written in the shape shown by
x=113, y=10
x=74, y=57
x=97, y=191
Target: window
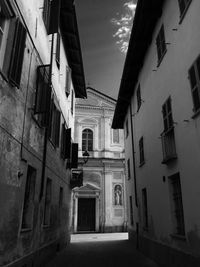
x=176, y=204
x=28, y=208
x=131, y=209
x=141, y=150
x=194, y=76
x=47, y=203
x=51, y=15
x=139, y=100
x=12, y=43
x=127, y=128
x=61, y=197
x=65, y=142
x=68, y=81
x=55, y=125
x=144, y=208
x=58, y=50
x=87, y=140
x=128, y=169
x=72, y=101
x=168, y=137
x=115, y=136
x=161, y=44
x=43, y=96
x=183, y=5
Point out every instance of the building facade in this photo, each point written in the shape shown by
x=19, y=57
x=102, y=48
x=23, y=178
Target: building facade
x=39, y=78
x=100, y=204
x=158, y=107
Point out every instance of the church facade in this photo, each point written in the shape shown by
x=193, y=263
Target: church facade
x=99, y=205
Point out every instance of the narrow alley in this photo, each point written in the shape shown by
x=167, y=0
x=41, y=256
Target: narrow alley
x=100, y=250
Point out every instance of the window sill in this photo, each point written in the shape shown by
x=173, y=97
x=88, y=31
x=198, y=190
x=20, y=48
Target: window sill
x=196, y=114
x=142, y=163
x=184, y=12
x=169, y=159
x=180, y=237
x=161, y=58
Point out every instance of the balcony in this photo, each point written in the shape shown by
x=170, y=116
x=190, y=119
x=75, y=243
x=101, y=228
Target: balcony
x=168, y=146
x=76, y=178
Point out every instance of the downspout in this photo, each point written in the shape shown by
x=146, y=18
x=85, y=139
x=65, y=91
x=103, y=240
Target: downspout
x=134, y=172
x=47, y=127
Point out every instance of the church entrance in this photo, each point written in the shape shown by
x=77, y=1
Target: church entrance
x=86, y=214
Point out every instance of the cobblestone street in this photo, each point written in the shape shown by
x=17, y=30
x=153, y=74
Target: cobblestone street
x=100, y=250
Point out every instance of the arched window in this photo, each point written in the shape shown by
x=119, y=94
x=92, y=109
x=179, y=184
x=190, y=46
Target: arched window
x=87, y=140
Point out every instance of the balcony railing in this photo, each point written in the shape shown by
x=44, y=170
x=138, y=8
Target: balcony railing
x=168, y=146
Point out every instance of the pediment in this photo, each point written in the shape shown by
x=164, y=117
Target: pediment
x=88, y=187
x=95, y=99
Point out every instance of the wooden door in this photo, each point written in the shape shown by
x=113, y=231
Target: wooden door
x=86, y=214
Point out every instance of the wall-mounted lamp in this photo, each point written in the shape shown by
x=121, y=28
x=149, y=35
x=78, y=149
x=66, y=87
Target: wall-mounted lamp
x=85, y=156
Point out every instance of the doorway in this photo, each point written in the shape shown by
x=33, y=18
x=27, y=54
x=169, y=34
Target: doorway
x=86, y=214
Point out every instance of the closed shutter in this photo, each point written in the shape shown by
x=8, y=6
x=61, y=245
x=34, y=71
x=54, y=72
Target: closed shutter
x=74, y=161
x=9, y=46
x=57, y=128
x=63, y=140
x=58, y=50
x=68, y=81
x=51, y=15
x=17, y=55
x=68, y=144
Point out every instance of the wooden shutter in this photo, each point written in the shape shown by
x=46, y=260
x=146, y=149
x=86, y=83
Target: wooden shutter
x=74, y=161
x=51, y=15
x=68, y=81
x=7, y=8
x=68, y=144
x=63, y=140
x=57, y=128
x=58, y=50
x=9, y=46
x=15, y=67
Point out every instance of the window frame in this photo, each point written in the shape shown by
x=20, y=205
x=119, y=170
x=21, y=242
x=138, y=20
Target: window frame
x=183, y=11
x=47, y=203
x=196, y=86
x=176, y=204
x=145, y=209
x=29, y=197
x=139, y=99
x=89, y=142
x=161, y=44
x=141, y=151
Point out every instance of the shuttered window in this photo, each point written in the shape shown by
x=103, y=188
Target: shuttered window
x=17, y=55
x=47, y=204
x=55, y=125
x=58, y=50
x=167, y=115
x=161, y=44
x=68, y=81
x=51, y=15
x=43, y=96
x=183, y=5
x=28, y=208
x=141, y=150
x=139, y=100
x=194, y=76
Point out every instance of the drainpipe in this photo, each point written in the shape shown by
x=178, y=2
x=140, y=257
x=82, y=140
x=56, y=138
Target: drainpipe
x=47, y=127
x=134, y=172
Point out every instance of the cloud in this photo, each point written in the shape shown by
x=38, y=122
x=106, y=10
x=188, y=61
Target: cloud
x=124, y=25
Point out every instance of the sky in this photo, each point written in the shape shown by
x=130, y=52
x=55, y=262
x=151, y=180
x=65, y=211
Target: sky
x=104, y=30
